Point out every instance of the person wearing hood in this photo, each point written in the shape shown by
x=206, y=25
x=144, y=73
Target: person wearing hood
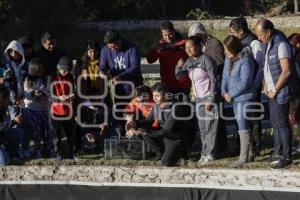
x=14, y=78
x=15, y=71
x=211, y=46
x=237, y=88
x=169, y=50
x=49, y=54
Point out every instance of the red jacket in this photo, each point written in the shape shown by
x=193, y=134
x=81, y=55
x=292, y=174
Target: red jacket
x=168, y=55
x=61, y=87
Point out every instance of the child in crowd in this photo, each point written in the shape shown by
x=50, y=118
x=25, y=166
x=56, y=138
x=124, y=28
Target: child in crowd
x=37, y=104
x=62, y=93
x=139, y=108
x=168, y=141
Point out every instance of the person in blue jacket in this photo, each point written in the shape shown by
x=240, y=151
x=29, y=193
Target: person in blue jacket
x=238, y=88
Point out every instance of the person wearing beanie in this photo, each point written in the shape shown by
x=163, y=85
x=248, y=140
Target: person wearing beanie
x=62, y=93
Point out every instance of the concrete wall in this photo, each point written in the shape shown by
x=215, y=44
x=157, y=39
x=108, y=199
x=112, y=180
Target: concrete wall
x=279, y=22
x=160, y=175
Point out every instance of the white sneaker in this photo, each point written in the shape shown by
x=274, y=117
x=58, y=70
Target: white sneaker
x=202, y=159
x=208, y=159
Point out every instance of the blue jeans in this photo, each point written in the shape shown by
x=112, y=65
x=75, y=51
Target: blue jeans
x=4, y=158
x=10, y=140
x=282, y=133
x=25, y=126
x=240, y=114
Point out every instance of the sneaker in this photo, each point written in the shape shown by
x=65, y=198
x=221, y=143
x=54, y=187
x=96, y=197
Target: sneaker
x=210, y=158
x=274, y=159
x=282, y=164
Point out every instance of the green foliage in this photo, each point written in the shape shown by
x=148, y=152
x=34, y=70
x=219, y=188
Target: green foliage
x=198, y=14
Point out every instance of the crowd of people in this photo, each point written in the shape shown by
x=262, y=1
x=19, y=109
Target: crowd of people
x=44, y=93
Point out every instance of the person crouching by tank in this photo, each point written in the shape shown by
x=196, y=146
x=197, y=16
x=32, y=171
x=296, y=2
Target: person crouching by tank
x=202, y=72
x=169, y=140
x=62, y=87
x=237, y=88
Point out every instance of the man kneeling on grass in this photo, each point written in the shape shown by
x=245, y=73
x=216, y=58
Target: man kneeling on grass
x=169, y=140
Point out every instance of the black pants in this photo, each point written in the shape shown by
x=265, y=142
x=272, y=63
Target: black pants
x=68, y=127
x=255, y=125
x=280, y=122
x=169, y=149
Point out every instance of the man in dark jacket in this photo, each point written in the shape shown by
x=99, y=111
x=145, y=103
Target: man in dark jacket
x=169, y=140
x=49, y=54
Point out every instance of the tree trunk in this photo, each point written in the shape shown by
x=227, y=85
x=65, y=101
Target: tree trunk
x=296, y=8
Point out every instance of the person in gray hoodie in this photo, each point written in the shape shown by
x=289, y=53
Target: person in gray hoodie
x=202, y=72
